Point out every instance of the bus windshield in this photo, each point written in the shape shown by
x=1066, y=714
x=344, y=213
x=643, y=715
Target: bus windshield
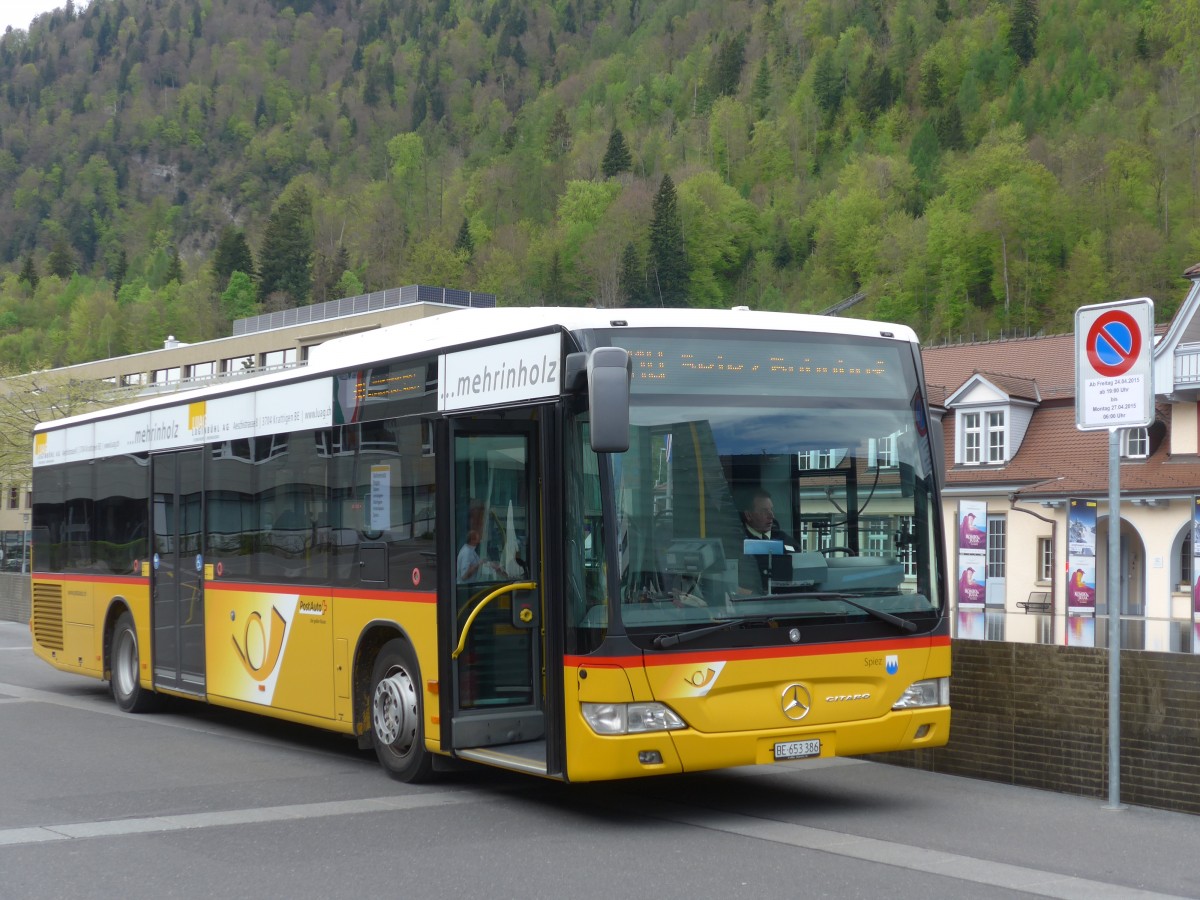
x=772, y=480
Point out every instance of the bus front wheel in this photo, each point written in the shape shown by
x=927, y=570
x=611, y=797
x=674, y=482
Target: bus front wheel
x=397, y=729
x=123, y=663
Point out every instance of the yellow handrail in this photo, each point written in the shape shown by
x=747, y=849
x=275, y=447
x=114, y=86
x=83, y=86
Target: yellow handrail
x=498, y=592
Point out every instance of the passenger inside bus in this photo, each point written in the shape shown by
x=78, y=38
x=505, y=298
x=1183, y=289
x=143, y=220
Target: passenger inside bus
x=470, y=566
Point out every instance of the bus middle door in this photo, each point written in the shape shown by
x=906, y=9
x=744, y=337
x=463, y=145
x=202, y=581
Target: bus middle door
x=492, y=635
x=176, y=578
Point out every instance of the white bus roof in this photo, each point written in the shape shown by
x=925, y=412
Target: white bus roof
x=468, y=326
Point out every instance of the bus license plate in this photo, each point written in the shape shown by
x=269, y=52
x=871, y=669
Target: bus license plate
x=797, y=749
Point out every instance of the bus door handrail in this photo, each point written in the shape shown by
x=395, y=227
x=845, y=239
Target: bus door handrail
x=498, y=592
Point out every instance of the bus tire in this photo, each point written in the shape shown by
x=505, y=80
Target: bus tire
x=124, y=665
x=397, y=717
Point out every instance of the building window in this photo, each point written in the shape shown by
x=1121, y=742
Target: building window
x=1045, y=560
x=236, y=365
x=278, y=359
x=972, y=439
x=996, y=437
x=877, y=538
x=29, y=499
x=1185, y=574
x=885, y=452
x=1135, y=443
x=996, y=546
x=166, y=376
x=134, y=379
x=199, y=371
x=14, y=498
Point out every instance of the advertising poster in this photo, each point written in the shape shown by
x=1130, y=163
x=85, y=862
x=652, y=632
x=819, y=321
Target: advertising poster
x=1196, y=575
x=1081, y=558
x=972, y=554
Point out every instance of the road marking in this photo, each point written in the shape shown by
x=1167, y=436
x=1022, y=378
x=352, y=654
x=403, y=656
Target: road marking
x=904, y=856
x=156, y=824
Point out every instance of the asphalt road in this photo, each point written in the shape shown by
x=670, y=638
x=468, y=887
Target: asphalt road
x=196, y=802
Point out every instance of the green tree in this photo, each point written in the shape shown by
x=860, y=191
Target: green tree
x=617, y=158
x=239, y=300
x=725, y=70
x=828, y=83
x=760, y=93
x=232, y=255
x=61, y=261
x=632, y=278
x=931, y=85
x=463, y=243
x=349, y=285
x=667, y=272
x=120, y=269
x=1023, y=30
x=558, y=138
x=175, y=268
x=555, y=289
x=29, y=273
x=286, y=255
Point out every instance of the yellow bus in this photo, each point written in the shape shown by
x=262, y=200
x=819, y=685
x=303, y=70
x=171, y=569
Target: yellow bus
x=579, y=543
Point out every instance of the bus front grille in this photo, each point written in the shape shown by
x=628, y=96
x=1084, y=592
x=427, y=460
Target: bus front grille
x=48, y=615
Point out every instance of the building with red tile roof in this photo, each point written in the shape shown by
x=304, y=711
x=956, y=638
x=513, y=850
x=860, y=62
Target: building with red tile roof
x=1008, y=416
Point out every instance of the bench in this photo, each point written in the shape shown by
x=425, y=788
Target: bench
x=1038, y=601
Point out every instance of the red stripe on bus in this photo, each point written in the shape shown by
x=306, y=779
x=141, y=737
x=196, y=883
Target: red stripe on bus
x=322, y=591
x=659, y=658
x=99, y=579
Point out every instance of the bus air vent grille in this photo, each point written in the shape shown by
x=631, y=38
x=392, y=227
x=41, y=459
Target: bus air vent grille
x=48, y=615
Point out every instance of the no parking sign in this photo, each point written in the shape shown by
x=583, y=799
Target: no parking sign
x=1114, y=385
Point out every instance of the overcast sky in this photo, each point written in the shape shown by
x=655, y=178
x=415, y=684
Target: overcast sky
x=19, y=13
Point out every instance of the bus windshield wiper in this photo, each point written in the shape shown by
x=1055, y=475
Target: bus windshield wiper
x=902, y=624
x=663, y=641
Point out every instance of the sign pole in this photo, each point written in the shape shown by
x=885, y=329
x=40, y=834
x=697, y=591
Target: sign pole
x=1114, y=620
x=1114, y=389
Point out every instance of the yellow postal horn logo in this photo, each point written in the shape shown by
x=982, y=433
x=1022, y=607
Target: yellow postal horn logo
x=260, y=647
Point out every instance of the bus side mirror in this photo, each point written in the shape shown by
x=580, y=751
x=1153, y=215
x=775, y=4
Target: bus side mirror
x=609, y=371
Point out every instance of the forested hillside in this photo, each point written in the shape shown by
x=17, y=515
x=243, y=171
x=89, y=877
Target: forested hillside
x=968, y=167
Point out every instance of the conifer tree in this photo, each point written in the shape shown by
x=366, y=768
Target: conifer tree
x=760, y=93
x=558, y=138
x=667, y=273
x=232, y=255
x=556, y=289
x=61, y=261
x=464, y=241
x=29, y=273
x=119, y=270
x=175, y=268
x=632, y=284
x=1022, y=32
x=617, y=158
x=286, y=255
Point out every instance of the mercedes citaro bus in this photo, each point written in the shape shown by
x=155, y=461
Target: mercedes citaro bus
x=521, y=537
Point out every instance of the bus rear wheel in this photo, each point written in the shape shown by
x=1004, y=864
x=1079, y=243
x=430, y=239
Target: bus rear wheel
x=397, y=726
x=123, y=663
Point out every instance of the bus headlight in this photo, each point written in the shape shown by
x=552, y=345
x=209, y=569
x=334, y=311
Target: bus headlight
x=932, y=692
x=631, y=718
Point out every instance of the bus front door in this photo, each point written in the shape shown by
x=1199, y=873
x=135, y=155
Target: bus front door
x=176, y=571
x=492, y=631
